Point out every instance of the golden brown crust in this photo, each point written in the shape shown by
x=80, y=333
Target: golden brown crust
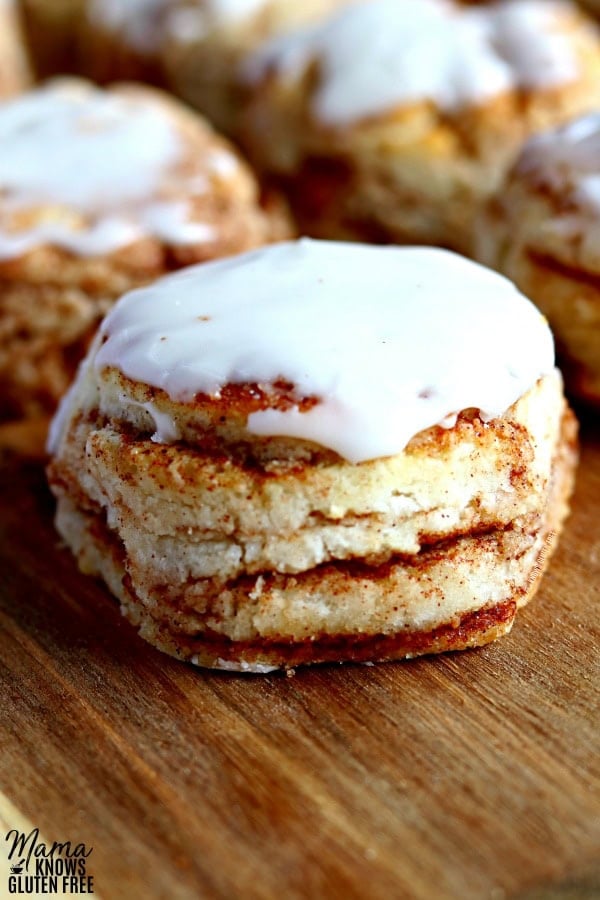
x=473, y=630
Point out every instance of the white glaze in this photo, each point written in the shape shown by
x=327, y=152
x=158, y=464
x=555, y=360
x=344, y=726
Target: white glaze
x=104, y=157
x=392, y=340
x=568, y=160
x=380, y=54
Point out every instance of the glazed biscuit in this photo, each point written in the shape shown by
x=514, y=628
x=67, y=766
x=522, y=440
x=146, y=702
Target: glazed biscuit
x=318, y=456
x=103, y=191
x=542, y=230
x=206, y=41
x=195, y=44
x=394, y=121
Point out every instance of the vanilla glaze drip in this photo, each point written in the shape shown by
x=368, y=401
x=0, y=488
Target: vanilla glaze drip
x=390, y=340
x=380, y=54
x=99, y=168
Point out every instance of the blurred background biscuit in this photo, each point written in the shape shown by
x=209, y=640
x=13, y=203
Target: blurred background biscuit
x=313, y=452
x=393, y=121
x=103, y=191
x=543, y=230
x=207, y=40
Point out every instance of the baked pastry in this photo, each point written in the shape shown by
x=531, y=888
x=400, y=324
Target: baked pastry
x=542, y=230
x=206, y=40
x=198, y=42
x=393, y=121
x=15, y=74
x=100, y=192
x=314, y=452
x=52, y=31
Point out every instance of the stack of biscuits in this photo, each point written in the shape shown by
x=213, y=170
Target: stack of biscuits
x=296, y=418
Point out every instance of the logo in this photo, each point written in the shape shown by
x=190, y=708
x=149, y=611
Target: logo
x=39, y=868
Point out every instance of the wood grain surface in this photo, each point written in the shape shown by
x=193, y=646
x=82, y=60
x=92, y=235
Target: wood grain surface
x=474, y=775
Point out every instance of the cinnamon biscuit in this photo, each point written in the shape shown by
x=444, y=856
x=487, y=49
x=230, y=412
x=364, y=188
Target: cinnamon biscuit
x=100, y=192
x=123, y=39
x=315, y=452
x=542, y=230
x=393, y=121
x=193, y=45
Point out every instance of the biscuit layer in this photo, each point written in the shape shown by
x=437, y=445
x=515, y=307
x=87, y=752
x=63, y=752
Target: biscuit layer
x=229, y=562
x=457, y=594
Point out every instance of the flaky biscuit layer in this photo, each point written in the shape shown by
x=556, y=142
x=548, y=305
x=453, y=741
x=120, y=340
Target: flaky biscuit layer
x=224, y=514
x=217, y=555
x=15, y=73
x=458, y=594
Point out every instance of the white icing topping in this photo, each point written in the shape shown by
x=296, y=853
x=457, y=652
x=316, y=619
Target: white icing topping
x=391, y=340
x=104, y=157
x=568, y=159
x=379, y=54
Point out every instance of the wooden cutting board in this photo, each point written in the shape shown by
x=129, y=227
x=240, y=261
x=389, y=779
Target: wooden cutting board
x=465, y=776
